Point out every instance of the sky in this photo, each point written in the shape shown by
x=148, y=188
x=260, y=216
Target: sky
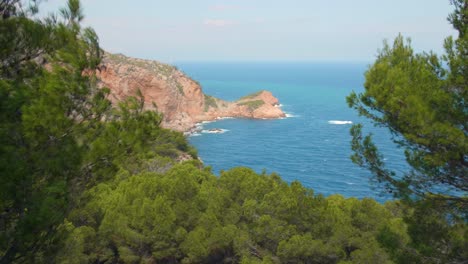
x=263, y=30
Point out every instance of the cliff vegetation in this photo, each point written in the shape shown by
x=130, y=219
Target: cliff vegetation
x=252, y=105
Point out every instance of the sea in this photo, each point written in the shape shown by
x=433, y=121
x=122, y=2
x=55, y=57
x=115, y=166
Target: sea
x=312, y=144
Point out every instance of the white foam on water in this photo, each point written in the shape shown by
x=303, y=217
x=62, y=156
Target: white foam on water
x=339, y=122
x=220, y=131
x=289, y=115
x=226, y=117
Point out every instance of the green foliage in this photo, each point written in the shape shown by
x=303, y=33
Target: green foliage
x=180, y=88
x=253, y=95
x=189, y=215
x=43, y=112
x=423, y=104
x=210, y=101
x=304, y=249
x=252, y=105
x=83, y=182
x=58, y=134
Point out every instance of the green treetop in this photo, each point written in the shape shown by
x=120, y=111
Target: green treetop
x=58, y=133
x=421, y=99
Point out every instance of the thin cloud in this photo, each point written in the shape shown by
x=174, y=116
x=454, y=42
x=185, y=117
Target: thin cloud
x=218, y=22
x=259, y=20
x=224, y=7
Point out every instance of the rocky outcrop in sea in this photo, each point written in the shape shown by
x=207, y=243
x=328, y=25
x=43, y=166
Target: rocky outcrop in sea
x=178, y=97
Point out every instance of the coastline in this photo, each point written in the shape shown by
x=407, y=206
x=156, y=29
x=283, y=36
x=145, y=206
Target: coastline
x=180, y=99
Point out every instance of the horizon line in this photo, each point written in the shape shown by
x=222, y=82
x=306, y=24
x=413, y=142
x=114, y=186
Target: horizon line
x=266, y=61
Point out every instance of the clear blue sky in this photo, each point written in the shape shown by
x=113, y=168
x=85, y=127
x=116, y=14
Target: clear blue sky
x=263, y=30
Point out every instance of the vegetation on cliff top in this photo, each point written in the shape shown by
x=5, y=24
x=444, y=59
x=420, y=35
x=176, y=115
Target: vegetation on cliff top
x=210, y=101
x=86, y=183
x=161, y=70
x=153, y=66
x=252, y=105
x=253, y=95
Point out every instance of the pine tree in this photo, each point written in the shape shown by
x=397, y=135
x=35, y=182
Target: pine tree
x=46, y=101
x=422, y=100
x=423, y=103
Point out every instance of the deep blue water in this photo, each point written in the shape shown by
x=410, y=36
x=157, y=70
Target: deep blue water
x=303, y=147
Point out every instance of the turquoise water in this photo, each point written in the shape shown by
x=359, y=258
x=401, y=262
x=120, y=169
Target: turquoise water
x=306, y=146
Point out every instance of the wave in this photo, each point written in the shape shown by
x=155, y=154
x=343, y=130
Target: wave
x=339, y=122
x=194, y=134
x=289, y=115
x=226, y=117
x=215, y=131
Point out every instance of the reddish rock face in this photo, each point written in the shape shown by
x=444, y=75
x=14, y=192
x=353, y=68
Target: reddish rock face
x=179, y=98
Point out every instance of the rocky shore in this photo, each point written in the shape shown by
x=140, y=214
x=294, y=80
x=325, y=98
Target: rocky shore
x=179, y=98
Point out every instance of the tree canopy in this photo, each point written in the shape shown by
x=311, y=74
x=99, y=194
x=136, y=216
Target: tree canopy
x=422, y=100
x=58, y=132
x=189, y=215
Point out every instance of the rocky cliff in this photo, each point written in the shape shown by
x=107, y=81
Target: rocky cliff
x=179, y=98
